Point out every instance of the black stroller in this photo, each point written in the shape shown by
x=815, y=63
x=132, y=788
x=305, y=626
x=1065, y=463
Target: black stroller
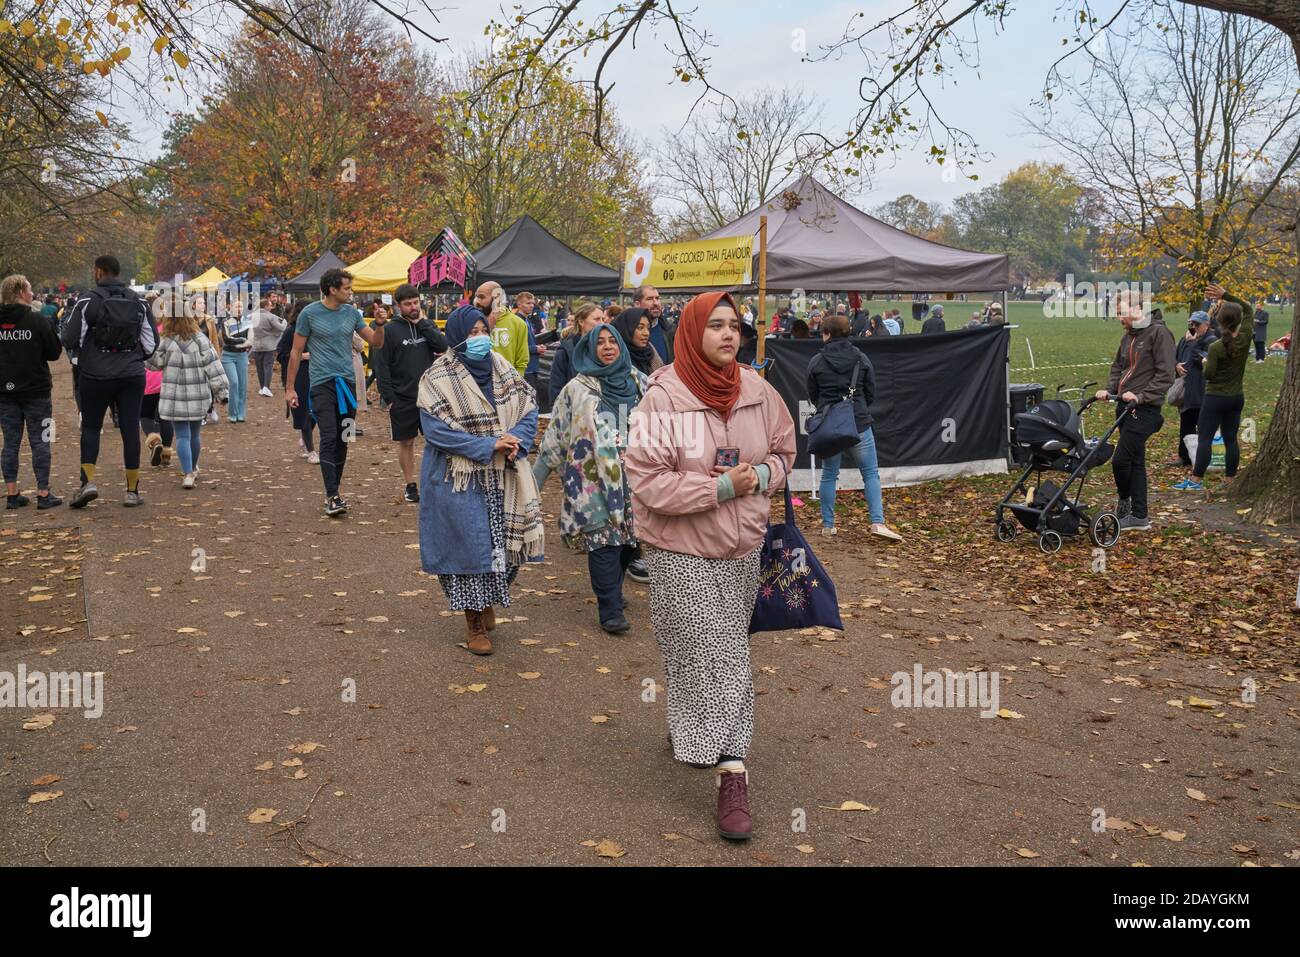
x=1052, y=435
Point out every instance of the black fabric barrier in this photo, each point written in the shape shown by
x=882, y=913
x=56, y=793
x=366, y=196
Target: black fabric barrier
x=940, y=399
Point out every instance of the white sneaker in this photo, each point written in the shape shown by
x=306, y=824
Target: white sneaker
x=264, y=391
x=313, y=458
x=828, y=532
x=884, y=531
x=188, y=481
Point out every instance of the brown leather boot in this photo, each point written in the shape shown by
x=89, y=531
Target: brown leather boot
x=478, y=642
x=489, y=617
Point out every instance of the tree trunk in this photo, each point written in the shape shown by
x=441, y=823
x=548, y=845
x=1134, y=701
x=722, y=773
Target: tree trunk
x=1270, y=485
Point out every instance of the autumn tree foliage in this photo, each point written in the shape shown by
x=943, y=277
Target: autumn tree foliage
x=510, y=151
x=298, y=150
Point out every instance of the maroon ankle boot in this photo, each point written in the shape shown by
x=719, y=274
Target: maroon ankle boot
x=734, y=821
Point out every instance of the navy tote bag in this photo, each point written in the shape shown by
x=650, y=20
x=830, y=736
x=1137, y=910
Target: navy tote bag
x=834, y=429
x=794, y=590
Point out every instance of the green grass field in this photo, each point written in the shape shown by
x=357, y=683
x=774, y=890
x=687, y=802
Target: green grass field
x=1073, y=351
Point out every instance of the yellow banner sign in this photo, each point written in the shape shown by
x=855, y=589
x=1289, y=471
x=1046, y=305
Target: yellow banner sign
x=705, y=262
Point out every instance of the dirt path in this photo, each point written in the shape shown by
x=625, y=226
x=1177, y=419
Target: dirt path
x=426, y=766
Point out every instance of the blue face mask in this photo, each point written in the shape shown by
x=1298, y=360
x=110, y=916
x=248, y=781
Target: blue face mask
x=476, y=347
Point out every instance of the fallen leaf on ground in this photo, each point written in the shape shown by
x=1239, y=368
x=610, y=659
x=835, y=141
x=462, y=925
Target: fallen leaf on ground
x=262, y=815
x=849, y=806
x=42, y=796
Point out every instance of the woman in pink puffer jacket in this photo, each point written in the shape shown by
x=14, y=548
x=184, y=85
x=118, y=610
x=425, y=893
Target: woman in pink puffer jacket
x=702, y=521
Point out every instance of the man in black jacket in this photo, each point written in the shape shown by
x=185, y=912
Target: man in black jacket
x=410, y=346
x=935, y=323
x=113, y=334
x=662, y=330
x=1259, y=330
x=28, y=344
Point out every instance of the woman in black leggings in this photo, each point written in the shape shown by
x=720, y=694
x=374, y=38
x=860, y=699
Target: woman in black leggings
x=1225, y=368
x=303, y=423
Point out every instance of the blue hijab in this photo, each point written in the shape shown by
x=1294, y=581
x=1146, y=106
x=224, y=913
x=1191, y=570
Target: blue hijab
x=459, y=324
x=617, y=383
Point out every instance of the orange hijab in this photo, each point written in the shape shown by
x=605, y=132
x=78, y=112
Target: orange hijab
x=719, y=389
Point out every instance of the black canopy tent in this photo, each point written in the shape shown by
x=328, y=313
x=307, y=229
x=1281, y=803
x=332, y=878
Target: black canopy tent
x=308, y=281
x=527, y=257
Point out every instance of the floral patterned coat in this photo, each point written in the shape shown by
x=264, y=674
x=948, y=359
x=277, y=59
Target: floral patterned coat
x=584, y=448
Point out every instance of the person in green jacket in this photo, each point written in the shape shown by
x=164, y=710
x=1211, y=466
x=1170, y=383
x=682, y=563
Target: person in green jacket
x=509, y=332
x=1225, y=368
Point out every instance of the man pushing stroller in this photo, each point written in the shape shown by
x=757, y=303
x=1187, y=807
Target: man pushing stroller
x=1141, y=374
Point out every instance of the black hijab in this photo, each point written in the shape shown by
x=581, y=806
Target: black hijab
x=459, y=324
x=626, y=322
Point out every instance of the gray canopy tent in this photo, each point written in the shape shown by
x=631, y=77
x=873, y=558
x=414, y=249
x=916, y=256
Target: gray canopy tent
x=308, y=281
x=817, y=241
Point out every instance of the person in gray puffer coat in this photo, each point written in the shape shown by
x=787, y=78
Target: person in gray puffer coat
x=192, y=376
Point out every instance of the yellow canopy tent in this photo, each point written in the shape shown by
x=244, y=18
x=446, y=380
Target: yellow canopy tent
x=385, y=269
x=208, y=282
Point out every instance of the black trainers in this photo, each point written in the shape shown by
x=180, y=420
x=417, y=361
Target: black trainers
x=638, y=572
x=1123, y=507
x=48, y=501
x=84, y=495
x=16, y=501
x=615, y=626
x=412, y=492
x=336, y=506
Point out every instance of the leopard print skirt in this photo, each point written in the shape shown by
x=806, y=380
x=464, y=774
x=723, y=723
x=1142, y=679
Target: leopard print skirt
x=700, y=610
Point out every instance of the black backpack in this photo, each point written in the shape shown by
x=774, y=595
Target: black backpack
x=114, y=317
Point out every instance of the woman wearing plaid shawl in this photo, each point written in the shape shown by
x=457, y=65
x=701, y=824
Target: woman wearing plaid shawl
x=480, y=515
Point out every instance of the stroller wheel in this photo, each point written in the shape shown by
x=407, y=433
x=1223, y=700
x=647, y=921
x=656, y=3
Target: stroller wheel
x=1104, y=530
x=1006, y=531
x=1050, y=542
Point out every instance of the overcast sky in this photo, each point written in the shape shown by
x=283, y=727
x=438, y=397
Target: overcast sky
x=755, y=49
